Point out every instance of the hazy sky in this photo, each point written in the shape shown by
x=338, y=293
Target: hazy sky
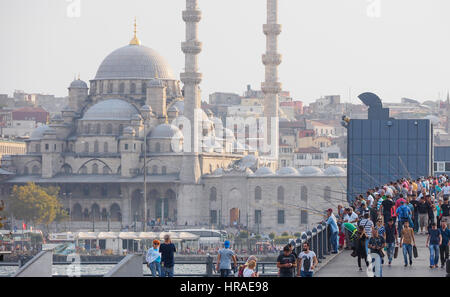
x=328, y=46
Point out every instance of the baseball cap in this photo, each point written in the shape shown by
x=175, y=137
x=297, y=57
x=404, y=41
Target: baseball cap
x=226, y=244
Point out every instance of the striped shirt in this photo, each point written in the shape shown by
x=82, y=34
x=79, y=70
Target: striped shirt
x=380, y=230
x=368, y=225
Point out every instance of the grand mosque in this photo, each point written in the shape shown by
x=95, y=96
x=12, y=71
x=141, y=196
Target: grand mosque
x=123, y=150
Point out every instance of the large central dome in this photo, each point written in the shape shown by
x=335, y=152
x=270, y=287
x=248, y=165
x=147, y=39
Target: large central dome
x=134, y=62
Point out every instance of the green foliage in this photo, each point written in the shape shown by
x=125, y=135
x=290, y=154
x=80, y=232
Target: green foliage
x=297, y=234
x=284, y=239
x=272, y=235
x=36, y=204
x=243, y=234
x=284, y=234
x=257, y=236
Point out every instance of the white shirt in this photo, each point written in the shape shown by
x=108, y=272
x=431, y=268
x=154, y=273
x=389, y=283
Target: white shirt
x=248, y=272
x=350, y=218
x=370, y=199
x=446, y=190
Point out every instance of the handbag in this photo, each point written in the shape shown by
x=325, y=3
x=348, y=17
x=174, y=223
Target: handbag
x=396, y=252
x=415, y=253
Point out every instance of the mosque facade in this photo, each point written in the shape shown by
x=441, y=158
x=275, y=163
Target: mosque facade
x=125, y=127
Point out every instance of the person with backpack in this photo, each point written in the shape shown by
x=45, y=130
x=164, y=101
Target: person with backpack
x=308, y=261
x=245, y=265
x=224, y=259
x=403, y=213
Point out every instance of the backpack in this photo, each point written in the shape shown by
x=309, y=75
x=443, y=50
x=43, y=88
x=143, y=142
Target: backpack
x=241, y=270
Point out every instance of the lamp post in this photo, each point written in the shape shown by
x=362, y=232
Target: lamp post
x=108, y=217
x=145, y=111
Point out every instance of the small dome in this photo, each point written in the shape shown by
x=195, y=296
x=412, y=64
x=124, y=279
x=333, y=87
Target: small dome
x=173, y=108
x=129, y=131
x=134, y=62
x=78, y=84
x=248, y=161
x=179, y=105
x=166, y=131
x=111, y=109
x=287, y=171
x=311, y=171
x=335, y=171
x=38, y=133
x=264, y=171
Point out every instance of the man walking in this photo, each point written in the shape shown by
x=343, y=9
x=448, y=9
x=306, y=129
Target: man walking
x=368, y=227
x=444, y=247
x=376, y=245
x=403, y=214
x=308, y=261
x=224, y=260
x=167, y=250
x=391, y=239
x=407, y=241
x=434, y=240
x=286, y=262
x=423, y=213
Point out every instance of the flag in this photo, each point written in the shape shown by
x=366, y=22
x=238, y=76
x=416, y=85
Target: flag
x=24, y=226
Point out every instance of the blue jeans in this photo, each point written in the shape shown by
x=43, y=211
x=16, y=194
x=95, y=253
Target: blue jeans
x=155, y=267
x=167, y=271
x=225, y=272
x=334, y=241
x=306, y=273
x=407, y=250
x=434, y=254
x=367, y=246
x=390, y=247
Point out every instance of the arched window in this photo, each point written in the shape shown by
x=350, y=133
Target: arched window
x=86, y=147
x=105, y=147
x=258, y=193
x=95, y=169
x=157, y=147
x=154, y=169
x=327, y=193
x=280, y=195
x=121, y=88
x=213, y=194
x=110, y=88
x=86, y=214
x=96, y=146
x=106, y=170
x=304, y=193
x=115, y=214
x=164, y=170
x=66, y=169
x=83, y=169
x=133, y=88
x=38, y=148
x=144, y=88
x=120, y=129
x=109, y=129
x=95, y=212
x=98, y=129
x=100, y=89
x=76, y=212
x=35, y=170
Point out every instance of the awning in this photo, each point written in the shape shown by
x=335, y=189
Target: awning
x=148, y=235
x=128, y=235
x=108, y=235
x=86, y=235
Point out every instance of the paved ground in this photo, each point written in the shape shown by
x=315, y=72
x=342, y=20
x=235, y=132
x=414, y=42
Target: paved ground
x=344, y=265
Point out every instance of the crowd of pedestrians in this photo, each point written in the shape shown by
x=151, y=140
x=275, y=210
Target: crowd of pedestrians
x=389, y=217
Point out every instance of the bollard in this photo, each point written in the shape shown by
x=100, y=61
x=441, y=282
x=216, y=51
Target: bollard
x=320, y=243
x=209, y=266
x=314, y=240
x=304, y=237
x=327, y=241
x=309, y=233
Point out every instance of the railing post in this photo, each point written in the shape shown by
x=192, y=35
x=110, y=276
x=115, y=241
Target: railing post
x=325, y=240
x=314, y=240
x=328, y=240
x=209, y=266
x=309, y=233
x=320, y=241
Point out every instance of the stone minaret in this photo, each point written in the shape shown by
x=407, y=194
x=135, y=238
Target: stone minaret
x=191, y=79
x=271, y=59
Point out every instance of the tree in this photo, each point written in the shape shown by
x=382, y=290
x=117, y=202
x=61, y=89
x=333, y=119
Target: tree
x=39, y=205
x=272, y=235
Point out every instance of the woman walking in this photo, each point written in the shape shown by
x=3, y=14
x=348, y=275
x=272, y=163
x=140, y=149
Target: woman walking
x=360, y=247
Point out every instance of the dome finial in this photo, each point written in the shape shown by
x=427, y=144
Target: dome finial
x=135, y=40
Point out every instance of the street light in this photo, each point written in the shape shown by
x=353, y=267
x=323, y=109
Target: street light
x=146, y=112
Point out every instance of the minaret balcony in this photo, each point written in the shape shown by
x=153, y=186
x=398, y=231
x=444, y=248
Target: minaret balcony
x=191, y=47
x=272, y=29
x=192, y=16
x=191, y=78
x=271, y=87
x=271, y=59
